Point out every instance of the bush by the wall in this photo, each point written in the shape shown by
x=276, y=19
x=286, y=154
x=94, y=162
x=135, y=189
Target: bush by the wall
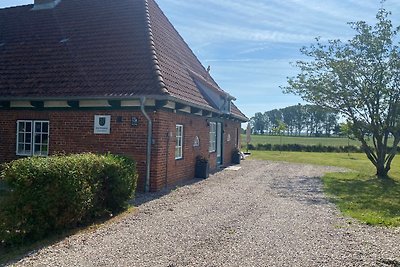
x=118, y=183
x=46, y=195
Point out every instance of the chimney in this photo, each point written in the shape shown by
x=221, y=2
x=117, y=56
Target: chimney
x=45, y=4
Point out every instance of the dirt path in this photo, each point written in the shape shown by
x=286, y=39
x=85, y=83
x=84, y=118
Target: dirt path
x=265, y=214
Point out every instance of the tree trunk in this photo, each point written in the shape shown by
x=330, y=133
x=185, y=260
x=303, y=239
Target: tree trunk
x=382, y=166
x=382, y=171
x=378, y=158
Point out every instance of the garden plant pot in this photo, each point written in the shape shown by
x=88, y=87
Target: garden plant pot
x=236, y=158
x=202, y=170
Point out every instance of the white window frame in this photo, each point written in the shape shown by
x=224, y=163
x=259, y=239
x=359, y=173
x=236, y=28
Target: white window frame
x=179, y=142
x=213, y=137
x=29, y=138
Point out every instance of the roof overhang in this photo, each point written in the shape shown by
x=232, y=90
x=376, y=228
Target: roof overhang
x=166, y=101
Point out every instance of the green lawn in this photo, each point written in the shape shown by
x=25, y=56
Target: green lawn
x=357, y=193
x=301, y=140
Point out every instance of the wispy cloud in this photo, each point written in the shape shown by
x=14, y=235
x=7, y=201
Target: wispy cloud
x=250, y=44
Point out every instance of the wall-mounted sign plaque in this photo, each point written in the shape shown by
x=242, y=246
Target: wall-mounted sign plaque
x=102, y=124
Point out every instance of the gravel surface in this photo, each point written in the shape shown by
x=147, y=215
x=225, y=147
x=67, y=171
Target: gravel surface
x=265, y=214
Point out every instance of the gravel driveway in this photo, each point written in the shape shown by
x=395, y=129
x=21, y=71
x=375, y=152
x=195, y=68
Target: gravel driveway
x=265, y=214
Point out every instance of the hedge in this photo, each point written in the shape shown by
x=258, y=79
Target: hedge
x=305, y=148
x=48, y=195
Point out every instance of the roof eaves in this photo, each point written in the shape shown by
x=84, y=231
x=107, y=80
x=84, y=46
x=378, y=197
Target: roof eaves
x=153, y=52
x=65, y=98
x=155, y=97
x=241, y=118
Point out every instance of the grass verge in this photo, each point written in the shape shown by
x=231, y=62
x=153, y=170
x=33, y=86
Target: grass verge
x=357, y=193
x=301, y=140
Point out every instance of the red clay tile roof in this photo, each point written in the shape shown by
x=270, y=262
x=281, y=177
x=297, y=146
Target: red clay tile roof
x=100, y=49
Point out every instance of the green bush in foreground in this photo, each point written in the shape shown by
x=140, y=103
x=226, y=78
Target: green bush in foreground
x=47, y=195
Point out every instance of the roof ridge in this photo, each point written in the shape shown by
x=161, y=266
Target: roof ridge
x=153, y=51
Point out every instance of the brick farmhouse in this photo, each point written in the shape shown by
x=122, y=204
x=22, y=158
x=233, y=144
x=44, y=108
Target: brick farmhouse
x=110, y=76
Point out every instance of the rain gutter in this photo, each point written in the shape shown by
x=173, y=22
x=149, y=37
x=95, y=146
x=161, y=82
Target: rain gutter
x=149, y=141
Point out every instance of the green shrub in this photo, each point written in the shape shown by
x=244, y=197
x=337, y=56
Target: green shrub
x=118, y=180
x=46, y=195
x=264, y=146
x=250, y=147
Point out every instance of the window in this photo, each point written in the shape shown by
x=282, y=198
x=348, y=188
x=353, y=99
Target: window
x=213, y=137
x=32, y=138
x=179, y=142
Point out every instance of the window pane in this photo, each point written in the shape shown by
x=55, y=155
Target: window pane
x=212, y=146
x=45, y=139
x=37, y=139
x=28, y=138
x=38, y=128
x=21, y=126
x=179, y=141
x=28, y=127
x=41, y=138
x=32, y=138
x=45, y=127
x=20, y=148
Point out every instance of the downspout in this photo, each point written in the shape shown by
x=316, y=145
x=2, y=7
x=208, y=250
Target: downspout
x=149, y=141
x=166, y=161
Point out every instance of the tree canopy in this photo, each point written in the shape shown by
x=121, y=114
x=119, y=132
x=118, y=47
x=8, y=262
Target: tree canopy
x=310, y=120
x=359, y=78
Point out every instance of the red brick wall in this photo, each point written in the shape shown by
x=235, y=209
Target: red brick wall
x=167, y=170
x=72, y=132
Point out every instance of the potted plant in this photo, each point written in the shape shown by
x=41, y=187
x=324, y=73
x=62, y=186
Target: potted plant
x=236, y=155
x=202, y=167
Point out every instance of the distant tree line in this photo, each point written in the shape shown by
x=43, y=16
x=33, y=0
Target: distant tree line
x=309, y=120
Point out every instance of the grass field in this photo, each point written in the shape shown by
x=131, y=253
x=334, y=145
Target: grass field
x=357, y=193
x=301, y=140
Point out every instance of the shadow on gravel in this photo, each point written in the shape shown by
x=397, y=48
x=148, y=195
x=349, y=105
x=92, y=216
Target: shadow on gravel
x=303, y=189
x=141, y=198
x=389, y=263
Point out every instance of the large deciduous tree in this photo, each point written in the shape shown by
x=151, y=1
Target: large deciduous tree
x=259, y=123
x=360, y=79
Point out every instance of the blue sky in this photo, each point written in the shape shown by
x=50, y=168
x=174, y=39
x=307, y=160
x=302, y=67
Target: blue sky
x=250, y=44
